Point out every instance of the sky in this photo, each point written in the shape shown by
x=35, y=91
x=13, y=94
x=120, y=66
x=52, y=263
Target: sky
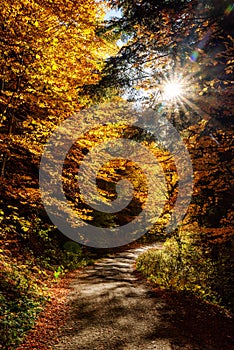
x=113, y=13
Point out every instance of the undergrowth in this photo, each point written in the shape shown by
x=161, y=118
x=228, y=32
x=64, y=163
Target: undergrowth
x=33, y=258
x=184, y=264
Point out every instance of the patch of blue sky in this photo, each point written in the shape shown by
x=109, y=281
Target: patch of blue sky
x=113, y=14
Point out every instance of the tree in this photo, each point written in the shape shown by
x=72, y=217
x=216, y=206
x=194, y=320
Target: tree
x=49, y=51
x=190, y=41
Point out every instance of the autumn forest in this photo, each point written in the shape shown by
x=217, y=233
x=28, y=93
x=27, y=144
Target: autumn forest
x=148, y=84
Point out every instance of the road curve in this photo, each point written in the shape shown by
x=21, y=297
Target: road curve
x=111, y=310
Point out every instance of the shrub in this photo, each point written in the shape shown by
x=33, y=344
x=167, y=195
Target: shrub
x=183, y=265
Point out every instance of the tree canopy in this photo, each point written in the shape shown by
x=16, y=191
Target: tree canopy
x=167, y=58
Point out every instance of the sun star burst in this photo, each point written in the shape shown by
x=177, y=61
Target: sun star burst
x=173, y=90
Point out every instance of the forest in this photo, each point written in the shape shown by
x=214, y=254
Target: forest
x=146, y=83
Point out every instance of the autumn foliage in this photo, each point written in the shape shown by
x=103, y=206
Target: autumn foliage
x=59, y=57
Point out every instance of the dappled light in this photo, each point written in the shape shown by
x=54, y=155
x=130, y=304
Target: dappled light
x=116, y=150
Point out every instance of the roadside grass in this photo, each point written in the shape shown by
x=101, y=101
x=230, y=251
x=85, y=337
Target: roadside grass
x=184, y=264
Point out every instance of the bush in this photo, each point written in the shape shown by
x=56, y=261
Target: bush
x=17, y=317
x=34, y=255
x=21, y=298
x=185, y=265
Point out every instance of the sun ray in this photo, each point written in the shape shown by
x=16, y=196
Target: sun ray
x=194, y=107
x=183, y=106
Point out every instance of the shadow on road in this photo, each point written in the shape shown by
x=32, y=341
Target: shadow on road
x=111, y=309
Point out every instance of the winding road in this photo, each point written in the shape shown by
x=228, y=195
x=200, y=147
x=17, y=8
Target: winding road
x=110, y=309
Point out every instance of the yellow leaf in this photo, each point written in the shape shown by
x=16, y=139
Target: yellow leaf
x=54, y=66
